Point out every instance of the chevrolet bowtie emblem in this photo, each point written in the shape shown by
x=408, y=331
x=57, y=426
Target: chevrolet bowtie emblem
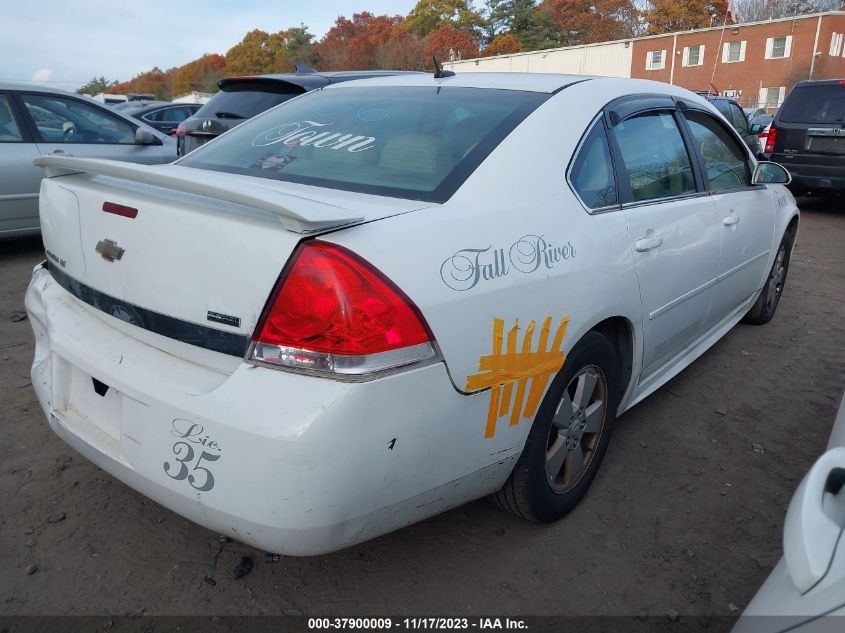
x=109, y=250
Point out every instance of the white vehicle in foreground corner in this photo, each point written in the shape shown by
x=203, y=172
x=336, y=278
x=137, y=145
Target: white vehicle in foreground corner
x=386, y=298
x=806, y=590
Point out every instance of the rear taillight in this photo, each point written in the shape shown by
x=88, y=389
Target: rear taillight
x=334, y=313
x=770, y=140
x=181, y=129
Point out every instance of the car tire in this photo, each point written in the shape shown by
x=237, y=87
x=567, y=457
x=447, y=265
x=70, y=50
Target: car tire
x=767, y=302
x=542, y=488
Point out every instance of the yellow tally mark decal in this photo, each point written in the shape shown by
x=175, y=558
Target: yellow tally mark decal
x=500, y=372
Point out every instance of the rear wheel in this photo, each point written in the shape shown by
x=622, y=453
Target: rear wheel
x=764, y=308
x=569, y=436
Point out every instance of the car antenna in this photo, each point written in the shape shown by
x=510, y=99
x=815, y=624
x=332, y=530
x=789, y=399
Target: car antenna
x=439, y=73
x=303, y=69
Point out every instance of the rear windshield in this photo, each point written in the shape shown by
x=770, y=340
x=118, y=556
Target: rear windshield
x=815, y=104
x=419, y=143
x=245, y=99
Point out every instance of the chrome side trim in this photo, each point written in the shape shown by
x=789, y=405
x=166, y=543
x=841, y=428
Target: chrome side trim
x=730, y=272
x=682, y=298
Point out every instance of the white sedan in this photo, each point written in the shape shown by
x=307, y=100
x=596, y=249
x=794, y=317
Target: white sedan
x=383, y=299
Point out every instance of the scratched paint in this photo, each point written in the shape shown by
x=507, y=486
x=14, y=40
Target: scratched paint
x=508, y=374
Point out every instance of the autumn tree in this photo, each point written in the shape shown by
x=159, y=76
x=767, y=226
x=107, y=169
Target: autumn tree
x=201, y=75
x=259, y=52
x=448, y=38
x=368, y=41
x=156, y=82
x=429, y=15
x=667, y=16
x=96, y=86
x=503, y=44
x=590, y=21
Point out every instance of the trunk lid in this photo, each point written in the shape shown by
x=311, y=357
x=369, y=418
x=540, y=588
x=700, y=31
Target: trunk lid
x=189, y=254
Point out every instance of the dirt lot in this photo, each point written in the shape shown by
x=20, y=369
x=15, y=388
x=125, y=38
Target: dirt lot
x=686, y=515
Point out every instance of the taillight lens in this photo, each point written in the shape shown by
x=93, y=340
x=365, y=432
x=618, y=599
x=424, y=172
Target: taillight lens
x=770, y=140
x=333, y=312
x=181, y=129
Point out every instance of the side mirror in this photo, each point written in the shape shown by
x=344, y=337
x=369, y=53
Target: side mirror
x=768, y=173
x=757, y=128
x=815, y=520
x=144, y=137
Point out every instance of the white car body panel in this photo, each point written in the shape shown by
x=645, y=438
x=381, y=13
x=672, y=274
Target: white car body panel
x=415, y=442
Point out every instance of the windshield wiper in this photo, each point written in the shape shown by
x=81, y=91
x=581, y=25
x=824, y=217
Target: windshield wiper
x=228, y=115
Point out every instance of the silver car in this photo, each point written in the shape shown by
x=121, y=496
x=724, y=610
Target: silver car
x=36, y=121
x=806, y=590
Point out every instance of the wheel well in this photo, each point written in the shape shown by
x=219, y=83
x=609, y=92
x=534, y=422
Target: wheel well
x=619, y=332
x=792, y=227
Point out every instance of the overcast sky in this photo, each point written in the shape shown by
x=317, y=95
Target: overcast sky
x=64, y=43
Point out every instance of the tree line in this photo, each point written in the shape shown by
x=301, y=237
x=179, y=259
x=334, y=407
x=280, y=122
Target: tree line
x=451, y=29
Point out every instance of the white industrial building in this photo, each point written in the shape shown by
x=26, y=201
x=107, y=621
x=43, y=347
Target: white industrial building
x=609, y=59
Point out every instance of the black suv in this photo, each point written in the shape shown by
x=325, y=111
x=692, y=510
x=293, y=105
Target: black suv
x=736, y=116
x=808, y=137
x=241, y=98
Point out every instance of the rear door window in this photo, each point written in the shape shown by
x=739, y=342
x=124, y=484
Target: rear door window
x=815, y=104
x=739, y=120
x=655, y=157
x=64, y=120
x=592, y=171
x=409, y=142
x=725, y=160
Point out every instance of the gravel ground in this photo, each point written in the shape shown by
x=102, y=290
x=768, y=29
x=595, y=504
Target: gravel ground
x=685, y=516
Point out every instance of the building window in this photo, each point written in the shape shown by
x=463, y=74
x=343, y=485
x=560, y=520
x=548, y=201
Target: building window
x=655, y=60
x=778, y=47
x=835, y=44
x=771, y=97
x=693, y=55
x=733, y=52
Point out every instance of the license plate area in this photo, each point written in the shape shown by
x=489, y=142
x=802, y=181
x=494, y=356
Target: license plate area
x=78, y=395
x=827, y=141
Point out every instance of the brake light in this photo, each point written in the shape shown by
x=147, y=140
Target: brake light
x=335, y=313
x=120, y=209
x=181, y=129
x=770, y=140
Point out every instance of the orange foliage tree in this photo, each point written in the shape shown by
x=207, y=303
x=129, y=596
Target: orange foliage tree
x=666, y=16
x=369, y=41
x=590, y=21
x=447, y=38
x=503, y=44
x=200, y=75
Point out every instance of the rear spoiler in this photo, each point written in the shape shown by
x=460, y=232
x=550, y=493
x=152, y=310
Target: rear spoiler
x=296, y=213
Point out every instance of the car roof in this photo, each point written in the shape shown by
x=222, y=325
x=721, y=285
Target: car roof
x=530, y=82
x=311, y=81
x=34, y=87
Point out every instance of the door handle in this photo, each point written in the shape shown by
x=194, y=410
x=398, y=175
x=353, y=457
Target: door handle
x=730, y=220
x=648, y=243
